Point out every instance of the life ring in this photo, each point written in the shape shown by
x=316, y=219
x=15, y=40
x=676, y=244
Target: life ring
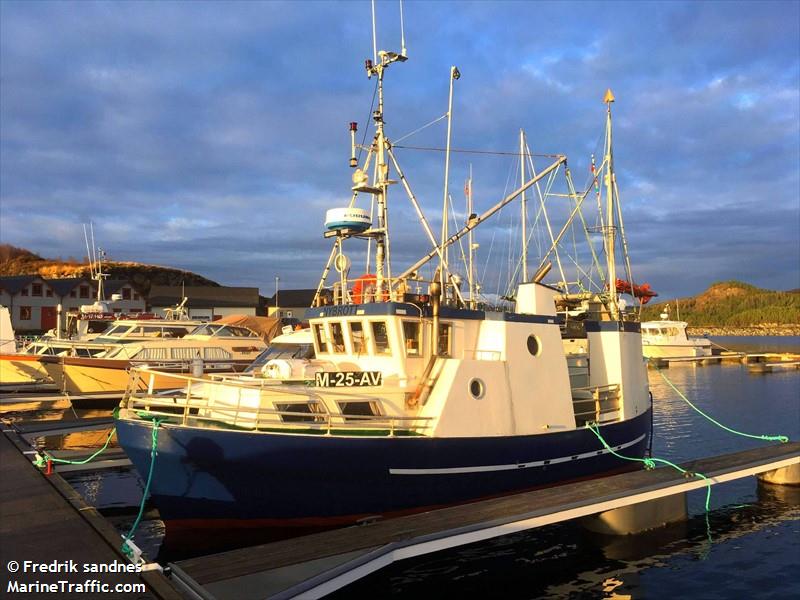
x=365, y=289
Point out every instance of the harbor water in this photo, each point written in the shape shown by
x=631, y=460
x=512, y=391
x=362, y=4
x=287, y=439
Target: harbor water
x=745, y=547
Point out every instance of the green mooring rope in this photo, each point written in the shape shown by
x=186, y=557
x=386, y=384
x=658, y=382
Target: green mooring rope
x=650, y=463
x=41, y=460
x=126, y=549
x=769, y=438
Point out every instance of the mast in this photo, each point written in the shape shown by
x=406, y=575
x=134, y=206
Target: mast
x=524, y=232
x=610, y=228
x=454, y=74
x=470, y=243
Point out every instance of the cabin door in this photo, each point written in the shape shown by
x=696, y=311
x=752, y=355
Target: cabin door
x=49, y=318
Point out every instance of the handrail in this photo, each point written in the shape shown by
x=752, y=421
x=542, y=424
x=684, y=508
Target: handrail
x=203, y=408
x=597, y=388
x=318, y=420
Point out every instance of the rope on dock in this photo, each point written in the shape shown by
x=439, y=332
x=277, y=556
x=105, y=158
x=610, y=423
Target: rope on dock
x=126, y=548
x=769, y=438
x=41, y=460
x=650, y=463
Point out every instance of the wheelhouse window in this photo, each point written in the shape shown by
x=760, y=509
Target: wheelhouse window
x=148, y=332
x=351, y=411
x=84, y=291
x=119, y=330
x=239, y=332
x=337, y=337
x=380, y=334
x=411, y=333
x=319, y=338
x=25, y=313
x=174, y=332
x=36, y=289
x=445, y=339
x=299, y=412
x=207, y=329
x=358, y=338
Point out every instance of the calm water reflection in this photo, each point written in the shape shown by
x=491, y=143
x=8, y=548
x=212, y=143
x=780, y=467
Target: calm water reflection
x=754, y=528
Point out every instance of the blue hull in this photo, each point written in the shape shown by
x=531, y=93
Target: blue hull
x=270, y=479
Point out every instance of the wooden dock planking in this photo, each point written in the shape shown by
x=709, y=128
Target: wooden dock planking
x=471, y=522
x=44, y=519
x=37, y=428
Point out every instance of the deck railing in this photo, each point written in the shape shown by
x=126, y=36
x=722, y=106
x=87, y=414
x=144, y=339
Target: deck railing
x=599, y=403
x=194, y=405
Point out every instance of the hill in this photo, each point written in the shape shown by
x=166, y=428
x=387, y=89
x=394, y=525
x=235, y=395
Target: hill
x=19, y=261
x=733, y=304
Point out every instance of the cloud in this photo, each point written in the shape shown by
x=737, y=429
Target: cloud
x=213, y=137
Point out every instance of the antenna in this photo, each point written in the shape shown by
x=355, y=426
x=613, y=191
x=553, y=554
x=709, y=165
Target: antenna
x=402, y=32
x=94, y=252
x=88, y=252
x=374, y=37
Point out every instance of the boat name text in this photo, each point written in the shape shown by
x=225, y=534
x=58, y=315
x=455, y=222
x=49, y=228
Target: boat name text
x=348, y=378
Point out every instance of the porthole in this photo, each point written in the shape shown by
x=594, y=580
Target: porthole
x=477, y=388
x=533, y=345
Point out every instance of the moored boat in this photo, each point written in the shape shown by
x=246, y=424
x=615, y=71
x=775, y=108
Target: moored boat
x=218, y=347
x=668, y=339
x=412, y=401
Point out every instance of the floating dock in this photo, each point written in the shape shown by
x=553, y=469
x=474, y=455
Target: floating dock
x=46, y=520
x=316, y=565
x=754, y=362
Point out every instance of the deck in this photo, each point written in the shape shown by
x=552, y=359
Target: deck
x=319, y=564
x=44, y=520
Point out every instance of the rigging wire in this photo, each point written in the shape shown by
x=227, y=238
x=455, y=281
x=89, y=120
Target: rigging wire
x=468, y=151
x=408, y=135
x=366, y=122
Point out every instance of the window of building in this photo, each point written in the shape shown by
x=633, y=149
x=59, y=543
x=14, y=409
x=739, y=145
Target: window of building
x=25, y=313
x=380, y=334
x=337, y=337
x=445, y=339
x=36, y=289
x=84, y=291
x=411, y=330
x=48, y=292
x=23, y=291
x=357, y=335
x=126, y=293
x=72, y=294
x=136, y=296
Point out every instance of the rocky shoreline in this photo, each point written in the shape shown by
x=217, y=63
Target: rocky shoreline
x=755, y=330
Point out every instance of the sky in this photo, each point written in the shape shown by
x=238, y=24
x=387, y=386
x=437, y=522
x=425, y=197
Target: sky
x=213, y=136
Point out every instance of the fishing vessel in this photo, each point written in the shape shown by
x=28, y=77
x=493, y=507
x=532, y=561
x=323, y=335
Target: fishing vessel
x=668, y=339
x=412, y=400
